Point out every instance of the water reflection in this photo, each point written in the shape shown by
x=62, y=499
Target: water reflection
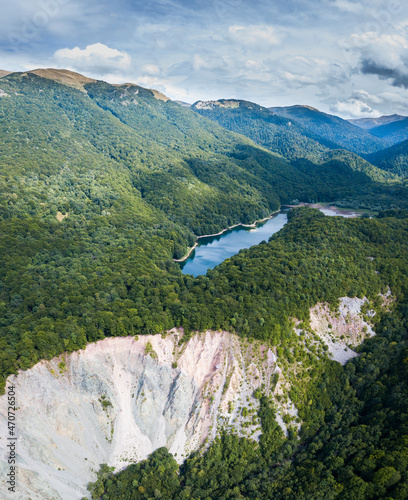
x=213, y=250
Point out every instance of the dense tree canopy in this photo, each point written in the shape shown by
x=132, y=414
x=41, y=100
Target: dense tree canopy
x=101, y=187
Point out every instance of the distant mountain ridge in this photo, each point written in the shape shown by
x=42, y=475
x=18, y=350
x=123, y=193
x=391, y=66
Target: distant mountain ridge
x=278, y=134
x=370, y=123
x=393, y=132
x=332, y=128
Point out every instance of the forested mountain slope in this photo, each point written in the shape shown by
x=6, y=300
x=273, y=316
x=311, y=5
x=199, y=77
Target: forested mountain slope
x=263, y=126
x=335, y=173
x=101, y=185
x=333, y=128
x=393, y=159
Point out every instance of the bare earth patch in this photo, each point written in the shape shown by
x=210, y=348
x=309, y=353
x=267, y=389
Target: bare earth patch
x=61, y=216
x=119, y=399
x=342, y=329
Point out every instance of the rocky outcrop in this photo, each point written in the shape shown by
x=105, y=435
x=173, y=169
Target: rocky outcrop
x=121, y=398
x=342, y=329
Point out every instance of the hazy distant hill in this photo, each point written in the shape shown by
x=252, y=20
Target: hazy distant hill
x=392, y=133
x=370, y=123
x=332, y=128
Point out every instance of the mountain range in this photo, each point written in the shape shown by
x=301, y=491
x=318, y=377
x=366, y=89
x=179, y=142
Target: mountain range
x=280, y=374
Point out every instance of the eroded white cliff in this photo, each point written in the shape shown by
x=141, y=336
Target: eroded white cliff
x=119, y=399
x=115, y=402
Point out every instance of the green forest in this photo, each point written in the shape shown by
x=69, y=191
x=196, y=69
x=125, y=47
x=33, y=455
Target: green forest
x=102, y=187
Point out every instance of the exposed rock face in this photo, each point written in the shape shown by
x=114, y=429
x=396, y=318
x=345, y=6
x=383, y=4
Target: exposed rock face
x=120, y=399
x=343, y=328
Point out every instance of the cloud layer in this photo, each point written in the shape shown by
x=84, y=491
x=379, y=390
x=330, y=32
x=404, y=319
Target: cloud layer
x=274, y=53
x=97, y=58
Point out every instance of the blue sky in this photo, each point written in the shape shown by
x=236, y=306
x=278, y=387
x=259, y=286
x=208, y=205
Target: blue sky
x=345, y=57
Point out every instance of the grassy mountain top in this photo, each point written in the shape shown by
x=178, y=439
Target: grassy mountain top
x=63, y=76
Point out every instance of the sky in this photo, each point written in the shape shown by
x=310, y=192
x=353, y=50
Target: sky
x=344, y=57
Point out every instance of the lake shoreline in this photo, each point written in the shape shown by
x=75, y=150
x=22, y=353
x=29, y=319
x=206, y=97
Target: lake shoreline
x=240, y=224
x=343, y=212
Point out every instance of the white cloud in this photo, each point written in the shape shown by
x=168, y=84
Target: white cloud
x=151, y=69
x=167, y=88
x=299, y=71
x=354, y=108
x=394, y=98
x=97, y=58
x=363, y=95
x=380, y=54
x=346, y=6
x=250, y=35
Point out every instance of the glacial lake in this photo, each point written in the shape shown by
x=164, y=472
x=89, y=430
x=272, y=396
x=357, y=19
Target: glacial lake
x=213, y=250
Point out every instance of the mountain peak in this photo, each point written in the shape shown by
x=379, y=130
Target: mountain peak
x=73, y=79
x=371, y=123
x=64, y=76
x=229, y=104
x=221, y=103
x=304, y=106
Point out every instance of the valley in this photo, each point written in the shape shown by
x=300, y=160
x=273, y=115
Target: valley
x=279, y=373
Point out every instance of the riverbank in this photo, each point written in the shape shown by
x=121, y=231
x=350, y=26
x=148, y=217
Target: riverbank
x=253, y=225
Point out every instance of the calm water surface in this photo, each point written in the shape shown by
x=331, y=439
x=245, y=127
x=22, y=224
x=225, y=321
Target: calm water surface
x=214, y=250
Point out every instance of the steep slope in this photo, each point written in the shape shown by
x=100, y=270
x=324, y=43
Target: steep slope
x=393, y=159
x=392, y=133
x=120, y=399
x=332, y=128
x=63, y=76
